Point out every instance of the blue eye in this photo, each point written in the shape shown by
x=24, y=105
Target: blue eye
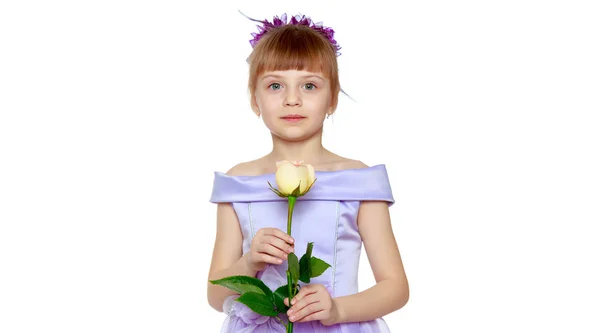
x=275, y=86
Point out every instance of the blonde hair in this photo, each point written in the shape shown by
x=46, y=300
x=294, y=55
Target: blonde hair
x=294, y=47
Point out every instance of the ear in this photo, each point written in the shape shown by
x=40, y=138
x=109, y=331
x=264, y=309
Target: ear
x=334, y=103
x=332, y=108
x=254, y=105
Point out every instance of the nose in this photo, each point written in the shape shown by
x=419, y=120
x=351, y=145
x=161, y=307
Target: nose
x=292, y=98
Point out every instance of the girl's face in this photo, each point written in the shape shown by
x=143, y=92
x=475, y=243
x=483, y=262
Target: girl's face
x=292, y=103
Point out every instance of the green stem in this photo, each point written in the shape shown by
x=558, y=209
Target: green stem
x=290, y=325
x=289, y=279
x=281, y=321
x=291, y=203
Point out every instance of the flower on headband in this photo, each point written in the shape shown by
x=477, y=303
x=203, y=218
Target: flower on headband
x=295, y=20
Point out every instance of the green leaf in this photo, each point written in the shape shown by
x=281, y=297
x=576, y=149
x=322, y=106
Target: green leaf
x=309, y=248
x=278, y=296
x=293, y=267
x=305, y=266
x=318, y=266
x=259, y=303
x=243, y=284
x=305, y=269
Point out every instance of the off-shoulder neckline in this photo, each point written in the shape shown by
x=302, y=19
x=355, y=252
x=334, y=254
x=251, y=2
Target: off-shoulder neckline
x=317, y=172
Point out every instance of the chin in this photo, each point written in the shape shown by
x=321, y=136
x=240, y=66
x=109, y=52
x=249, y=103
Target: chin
x=292, y=138
x=295, y=134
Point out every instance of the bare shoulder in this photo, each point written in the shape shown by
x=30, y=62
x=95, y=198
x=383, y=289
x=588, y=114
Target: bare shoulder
x=356, y=164
x=240, y=169
x=249, y=168
x=347, y=163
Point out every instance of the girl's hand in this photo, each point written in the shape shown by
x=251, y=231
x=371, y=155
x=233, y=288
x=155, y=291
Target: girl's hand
x=313, y=302
x=269, y=246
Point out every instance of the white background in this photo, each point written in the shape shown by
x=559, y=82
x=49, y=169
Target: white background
x=115, y=114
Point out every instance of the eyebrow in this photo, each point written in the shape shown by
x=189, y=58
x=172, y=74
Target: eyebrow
x=303, y=77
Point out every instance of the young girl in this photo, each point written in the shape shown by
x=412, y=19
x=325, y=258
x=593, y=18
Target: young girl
x=294, y=86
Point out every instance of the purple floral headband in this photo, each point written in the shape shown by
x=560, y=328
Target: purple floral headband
x=296, y=20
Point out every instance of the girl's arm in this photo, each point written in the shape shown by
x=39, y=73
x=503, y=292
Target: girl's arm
x=391, y=291
x=227, y=257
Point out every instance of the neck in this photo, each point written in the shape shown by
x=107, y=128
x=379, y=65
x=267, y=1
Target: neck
x=309, y=150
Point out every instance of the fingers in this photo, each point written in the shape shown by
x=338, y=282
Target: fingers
x=307, y=289
x=319, y=315
x=272, y=246
x=272, y=251
x=304, y=291
x=285, y=238
x=263, y=257
x=277, y=243
x=312, y=302
x=305, y=307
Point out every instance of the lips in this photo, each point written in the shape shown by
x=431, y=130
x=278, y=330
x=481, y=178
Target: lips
x=293, y=117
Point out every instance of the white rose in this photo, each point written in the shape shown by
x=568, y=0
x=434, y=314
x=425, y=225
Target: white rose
x=294, y=175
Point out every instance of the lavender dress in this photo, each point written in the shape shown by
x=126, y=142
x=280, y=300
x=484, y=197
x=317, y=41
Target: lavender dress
x=327, y=216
